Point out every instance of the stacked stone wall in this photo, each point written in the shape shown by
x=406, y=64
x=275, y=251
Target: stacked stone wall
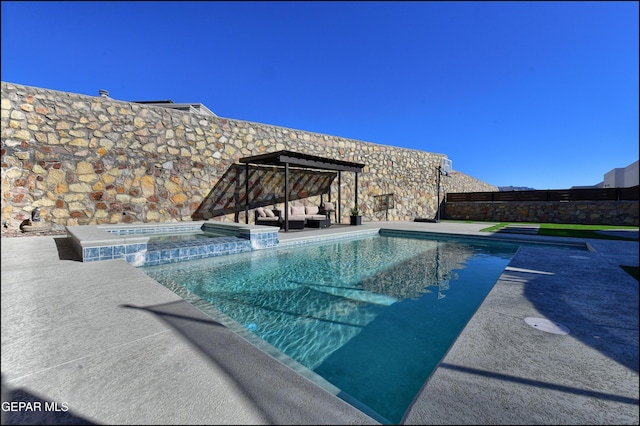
x=94, y=160
x=595, y=212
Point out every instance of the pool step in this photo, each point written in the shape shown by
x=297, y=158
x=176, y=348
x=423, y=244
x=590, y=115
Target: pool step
x=356, y=294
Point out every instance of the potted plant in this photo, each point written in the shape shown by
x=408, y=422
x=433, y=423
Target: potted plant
x=356, y=219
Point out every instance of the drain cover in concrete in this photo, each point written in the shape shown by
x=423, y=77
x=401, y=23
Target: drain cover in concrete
x=547, y=326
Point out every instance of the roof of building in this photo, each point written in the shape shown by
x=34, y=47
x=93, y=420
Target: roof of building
x=189, y=107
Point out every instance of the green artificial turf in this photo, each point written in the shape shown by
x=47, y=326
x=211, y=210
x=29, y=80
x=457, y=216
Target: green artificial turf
x=568, y=230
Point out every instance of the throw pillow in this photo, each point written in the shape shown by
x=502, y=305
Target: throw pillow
x=297, y=210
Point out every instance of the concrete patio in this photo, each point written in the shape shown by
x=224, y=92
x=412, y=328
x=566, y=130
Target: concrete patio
x=102, y=343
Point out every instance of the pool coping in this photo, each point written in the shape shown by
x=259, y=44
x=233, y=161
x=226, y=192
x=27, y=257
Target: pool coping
x=131, y=241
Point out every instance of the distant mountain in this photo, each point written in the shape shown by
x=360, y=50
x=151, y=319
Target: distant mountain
x=515, y=188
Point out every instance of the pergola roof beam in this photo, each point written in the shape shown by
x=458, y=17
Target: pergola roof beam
x=304, y=160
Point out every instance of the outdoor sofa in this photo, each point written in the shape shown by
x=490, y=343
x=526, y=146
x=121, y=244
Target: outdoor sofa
x=299, y=217
x=268, y=217
x=310, y=215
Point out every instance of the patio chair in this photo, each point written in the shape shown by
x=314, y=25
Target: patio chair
x=327, y=208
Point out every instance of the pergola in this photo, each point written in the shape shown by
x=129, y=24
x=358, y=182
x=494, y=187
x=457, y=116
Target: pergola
x=297, y=159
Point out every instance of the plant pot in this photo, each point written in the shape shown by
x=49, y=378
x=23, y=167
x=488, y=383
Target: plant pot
x=356, y=220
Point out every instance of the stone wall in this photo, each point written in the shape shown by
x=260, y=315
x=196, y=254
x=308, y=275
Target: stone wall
x=578, y=212
x=96, y=160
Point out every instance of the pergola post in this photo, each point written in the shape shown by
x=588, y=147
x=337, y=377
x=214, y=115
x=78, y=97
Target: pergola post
x=286, y=197
x=356, y=194
x=246, y=193
x=339, y=198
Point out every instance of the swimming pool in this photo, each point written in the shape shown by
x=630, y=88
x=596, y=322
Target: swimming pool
x=370, y=316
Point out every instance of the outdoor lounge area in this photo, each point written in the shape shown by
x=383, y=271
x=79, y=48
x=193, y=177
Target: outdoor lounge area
x=259, y=193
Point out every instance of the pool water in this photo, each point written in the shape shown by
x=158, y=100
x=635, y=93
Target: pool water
x=373, y=316
x=181, y=236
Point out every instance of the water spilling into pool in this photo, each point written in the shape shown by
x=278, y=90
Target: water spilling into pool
x=372, y=316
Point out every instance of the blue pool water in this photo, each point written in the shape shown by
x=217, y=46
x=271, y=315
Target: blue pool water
x=373, y=316
x=181, y=236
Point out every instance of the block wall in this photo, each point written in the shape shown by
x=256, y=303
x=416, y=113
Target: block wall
x=596, y=212
x=95, y=160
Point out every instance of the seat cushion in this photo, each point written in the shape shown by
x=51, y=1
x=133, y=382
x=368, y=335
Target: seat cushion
x=268, y=219
x=311, y=210
x=297, y=211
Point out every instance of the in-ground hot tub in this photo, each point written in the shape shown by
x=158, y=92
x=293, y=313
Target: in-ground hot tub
x=148, y=244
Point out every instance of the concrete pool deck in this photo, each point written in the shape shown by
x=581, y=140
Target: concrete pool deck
x=102, y=343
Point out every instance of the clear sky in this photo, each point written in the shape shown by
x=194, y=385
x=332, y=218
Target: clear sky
x=535, y=94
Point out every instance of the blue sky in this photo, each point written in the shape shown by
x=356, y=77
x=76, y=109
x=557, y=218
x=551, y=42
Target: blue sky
x=536, y=94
